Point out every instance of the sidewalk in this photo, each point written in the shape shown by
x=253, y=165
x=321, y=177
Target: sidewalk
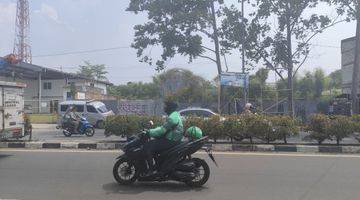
x=46, y=136
x=216, y=147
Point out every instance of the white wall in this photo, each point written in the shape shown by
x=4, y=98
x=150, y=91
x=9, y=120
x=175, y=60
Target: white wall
x=56, y=91
x=347, y=64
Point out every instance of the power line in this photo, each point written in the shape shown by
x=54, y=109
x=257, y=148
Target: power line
x=127, y=47
x=82, y=52
x=327, y=46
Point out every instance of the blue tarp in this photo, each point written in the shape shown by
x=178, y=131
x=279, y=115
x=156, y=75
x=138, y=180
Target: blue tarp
x=3, y=63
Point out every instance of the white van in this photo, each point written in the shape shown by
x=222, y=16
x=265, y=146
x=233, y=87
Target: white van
x=94, y=111
x=11, y=110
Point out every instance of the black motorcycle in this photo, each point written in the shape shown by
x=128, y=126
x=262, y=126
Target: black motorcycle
x=174, y=164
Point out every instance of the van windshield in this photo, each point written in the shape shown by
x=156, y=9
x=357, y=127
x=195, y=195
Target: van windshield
x=102, y=109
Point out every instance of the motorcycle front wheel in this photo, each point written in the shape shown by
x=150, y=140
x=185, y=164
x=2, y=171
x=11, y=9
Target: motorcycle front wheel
x=202, y=172
x=125, y=172
x=90, y=132
x=67, y=133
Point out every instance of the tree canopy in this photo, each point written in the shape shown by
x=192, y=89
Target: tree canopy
x=177, y=27
x=97, y=72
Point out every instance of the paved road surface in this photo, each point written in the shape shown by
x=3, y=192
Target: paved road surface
x=38, y=175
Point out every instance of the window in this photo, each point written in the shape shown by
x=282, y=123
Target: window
x=103, y=109
x=47, y=85
x=79, y=108
x=69, y=95
x=203, y=113
x=63, y=108
x=188, y=113
x=92, y=84
x=91, y=109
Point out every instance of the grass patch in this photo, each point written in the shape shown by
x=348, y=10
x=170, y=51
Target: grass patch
x=43, y=118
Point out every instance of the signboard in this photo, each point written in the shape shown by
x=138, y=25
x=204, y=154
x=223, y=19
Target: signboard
x=234, y=79
x=80, y=96
x=3, y=62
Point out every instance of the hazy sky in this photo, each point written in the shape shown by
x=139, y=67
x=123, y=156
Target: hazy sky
x=62, y=26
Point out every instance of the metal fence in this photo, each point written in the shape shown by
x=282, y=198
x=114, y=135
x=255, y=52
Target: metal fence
x=43, y=106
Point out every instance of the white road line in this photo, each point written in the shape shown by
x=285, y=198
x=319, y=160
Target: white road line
x=215, y=153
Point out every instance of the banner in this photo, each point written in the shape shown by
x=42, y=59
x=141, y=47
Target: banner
x=234, y=79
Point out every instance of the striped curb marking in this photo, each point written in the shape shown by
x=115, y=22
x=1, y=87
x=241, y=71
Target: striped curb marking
x=215, y=147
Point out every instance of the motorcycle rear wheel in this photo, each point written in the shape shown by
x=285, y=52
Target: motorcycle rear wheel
x=90, y=132
x=125, y=172
x=202, y=173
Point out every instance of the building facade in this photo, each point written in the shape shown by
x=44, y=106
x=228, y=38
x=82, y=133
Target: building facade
x=46, y=87
x=347, y=64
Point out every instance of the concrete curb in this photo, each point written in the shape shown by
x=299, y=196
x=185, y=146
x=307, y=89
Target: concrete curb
x=215, y=147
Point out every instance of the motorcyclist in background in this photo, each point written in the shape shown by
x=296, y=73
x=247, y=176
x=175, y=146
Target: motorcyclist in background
x=72, y=118
x=166, y=136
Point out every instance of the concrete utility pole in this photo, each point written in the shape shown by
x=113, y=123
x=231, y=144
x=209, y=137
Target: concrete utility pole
x=22, y=48
x=243, y=53
x=355, y=75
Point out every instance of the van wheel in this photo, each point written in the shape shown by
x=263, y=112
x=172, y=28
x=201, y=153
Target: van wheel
x=100, y=124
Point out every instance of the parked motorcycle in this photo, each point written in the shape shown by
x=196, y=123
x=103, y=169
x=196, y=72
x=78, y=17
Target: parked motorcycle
x=175, y=164
x=84, y=128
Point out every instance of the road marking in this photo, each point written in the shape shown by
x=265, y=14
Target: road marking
x=201, y=153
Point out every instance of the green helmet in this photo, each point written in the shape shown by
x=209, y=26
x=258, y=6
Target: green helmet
x=194, y=132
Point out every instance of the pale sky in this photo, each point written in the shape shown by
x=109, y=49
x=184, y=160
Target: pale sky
x=62, y=26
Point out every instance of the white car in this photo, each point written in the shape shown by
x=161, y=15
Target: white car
x=199, y=112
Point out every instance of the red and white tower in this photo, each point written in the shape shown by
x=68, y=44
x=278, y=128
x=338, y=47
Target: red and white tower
x=22, y=48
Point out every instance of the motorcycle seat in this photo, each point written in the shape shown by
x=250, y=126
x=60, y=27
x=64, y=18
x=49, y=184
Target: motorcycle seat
x=176, y=148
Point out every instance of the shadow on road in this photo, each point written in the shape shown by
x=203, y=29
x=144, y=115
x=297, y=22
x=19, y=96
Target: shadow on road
x=138, y=188
x=4, y=156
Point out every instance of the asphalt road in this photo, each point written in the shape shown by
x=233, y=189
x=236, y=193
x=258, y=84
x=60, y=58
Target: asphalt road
x=87, y=175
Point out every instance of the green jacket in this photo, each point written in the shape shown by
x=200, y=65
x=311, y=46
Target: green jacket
x=172, y=129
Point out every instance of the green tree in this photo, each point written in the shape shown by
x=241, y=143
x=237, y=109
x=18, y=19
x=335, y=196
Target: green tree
x=178, y=27
x=137, y=90
x=294, y=24
x=186, y=86
x=319, y=82
x=305, y=87
x=97, y=72
x=335, y=79
x=351, y=9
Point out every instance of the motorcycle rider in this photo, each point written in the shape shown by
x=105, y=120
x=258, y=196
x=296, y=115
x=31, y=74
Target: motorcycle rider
x=249, y=108
x=72, y=117
x=166, y=136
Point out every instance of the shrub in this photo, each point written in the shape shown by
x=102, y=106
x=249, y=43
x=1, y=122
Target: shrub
x=284, y=126
x=340, y=127
x=259, y=126
x=234, y=127
x=194, y=121
x=356, y=121
x=27, y=126
x=318, y=126
x=213, y=127
x=127, y=125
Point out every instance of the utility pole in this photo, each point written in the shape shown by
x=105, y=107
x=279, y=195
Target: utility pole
x=243, y=53
x=22, y=48
x=356, y=69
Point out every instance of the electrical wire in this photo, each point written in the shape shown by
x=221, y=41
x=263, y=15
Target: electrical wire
x=82, y=52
